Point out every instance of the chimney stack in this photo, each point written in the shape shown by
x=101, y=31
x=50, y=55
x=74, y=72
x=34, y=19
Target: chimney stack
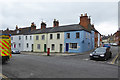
x=16, y=27
x=33, y=26
x=84, y=20
x=43, y=25
x=55, y=23
x=7, y=29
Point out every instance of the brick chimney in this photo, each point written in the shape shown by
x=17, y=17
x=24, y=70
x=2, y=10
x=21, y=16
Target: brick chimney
x=7, y=29
x=43, y=25
x=55, y=23
x=84, y=20
x=33, y=26
x=16, y=27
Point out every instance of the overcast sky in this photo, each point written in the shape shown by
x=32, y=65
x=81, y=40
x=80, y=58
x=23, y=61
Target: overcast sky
x=104, y=15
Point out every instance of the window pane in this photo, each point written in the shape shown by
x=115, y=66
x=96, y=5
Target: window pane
x=30, y=37
x=19, y=45
x=58, y=36
x=53, y=47
x=43, y=37
x=51, y=36
x=27, y=45
x=37, y=37
x=26, y=37
x=77, y=35
x=73, y=45
x=19, y=37
x=38, y=46
x=68, y=35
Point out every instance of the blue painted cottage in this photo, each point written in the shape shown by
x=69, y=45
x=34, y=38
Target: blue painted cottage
x=81, y=36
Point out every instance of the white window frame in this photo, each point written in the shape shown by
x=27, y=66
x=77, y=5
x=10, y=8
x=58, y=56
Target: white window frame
x=42, y=37
x=37, y=38
x=52, y=47
x=73, y=48
x=38, y=46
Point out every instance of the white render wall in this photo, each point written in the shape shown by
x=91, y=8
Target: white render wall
x=56, y=41
x=29, y=41
x=41, y=42
x=16, y=41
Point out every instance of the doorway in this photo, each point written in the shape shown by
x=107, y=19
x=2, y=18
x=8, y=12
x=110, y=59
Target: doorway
x=32, y=48
x=60, y=48
x=45, y=47
x=67, y=47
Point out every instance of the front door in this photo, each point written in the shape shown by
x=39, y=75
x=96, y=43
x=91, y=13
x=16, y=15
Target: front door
x=32, y=48
x=45, y=47
x=60, y=47
x=67, y=47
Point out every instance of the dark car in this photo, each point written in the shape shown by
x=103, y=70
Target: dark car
x=15, y=51
x=102, y=53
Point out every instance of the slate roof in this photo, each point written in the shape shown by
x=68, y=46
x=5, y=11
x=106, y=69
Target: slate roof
x=65, y=28
x=21, y=31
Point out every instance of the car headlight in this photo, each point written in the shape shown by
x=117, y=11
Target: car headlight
x=102, y=55
x=91, y=54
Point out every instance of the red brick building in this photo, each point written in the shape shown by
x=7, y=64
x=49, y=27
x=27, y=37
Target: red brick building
x=117, y=37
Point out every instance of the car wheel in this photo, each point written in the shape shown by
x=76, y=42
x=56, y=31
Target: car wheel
x=105, y=59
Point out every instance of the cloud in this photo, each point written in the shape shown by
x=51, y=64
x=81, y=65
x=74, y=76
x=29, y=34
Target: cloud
x=22, y=13
x=106, y=28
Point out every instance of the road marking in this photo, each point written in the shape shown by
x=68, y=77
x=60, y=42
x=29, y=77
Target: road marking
x=86, y=59
x=3, y=76
x=113, y=61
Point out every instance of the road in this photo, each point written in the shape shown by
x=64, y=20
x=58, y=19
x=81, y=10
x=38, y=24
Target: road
x=79, y=66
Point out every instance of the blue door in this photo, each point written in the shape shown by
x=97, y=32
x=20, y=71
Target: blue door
x=67, y=47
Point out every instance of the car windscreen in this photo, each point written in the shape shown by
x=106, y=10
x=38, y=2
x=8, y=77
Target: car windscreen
x=100, y=50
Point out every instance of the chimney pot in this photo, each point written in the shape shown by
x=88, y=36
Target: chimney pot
x=81, y=15
x=85, y=14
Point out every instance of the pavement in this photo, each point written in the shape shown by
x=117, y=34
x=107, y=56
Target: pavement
x=55, y=54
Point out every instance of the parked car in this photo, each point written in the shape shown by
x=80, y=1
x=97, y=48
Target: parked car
x=106, y=45
x=15, y=51
x=102, y=53
x=114, y=44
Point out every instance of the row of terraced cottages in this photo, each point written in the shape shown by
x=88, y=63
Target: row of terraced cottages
x=74, y=38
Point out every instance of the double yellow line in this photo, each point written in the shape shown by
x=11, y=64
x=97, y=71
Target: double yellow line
x=3, y=76
x=113, y=61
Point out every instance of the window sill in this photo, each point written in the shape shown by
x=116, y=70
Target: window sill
x=74, y=48
x=77, y=38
